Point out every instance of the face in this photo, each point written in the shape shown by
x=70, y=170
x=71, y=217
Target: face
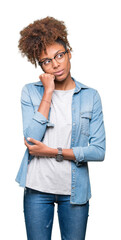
x=60, y=69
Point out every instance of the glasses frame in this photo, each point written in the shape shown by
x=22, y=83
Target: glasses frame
x=41, y=62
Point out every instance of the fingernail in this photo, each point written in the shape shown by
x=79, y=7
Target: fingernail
x=28, y=138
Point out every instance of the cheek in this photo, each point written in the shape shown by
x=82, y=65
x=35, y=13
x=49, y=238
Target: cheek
x=68, y=66
x=46, y=71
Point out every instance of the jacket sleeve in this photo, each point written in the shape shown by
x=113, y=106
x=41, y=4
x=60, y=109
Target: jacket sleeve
x=34, y=123
x=95, y=151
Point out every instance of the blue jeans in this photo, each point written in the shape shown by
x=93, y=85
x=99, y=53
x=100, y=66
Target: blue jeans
x=39, y=213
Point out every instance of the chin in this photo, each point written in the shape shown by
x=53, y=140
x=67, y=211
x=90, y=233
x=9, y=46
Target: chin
x=60, y=78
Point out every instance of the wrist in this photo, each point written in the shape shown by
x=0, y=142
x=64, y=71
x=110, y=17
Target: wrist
x=52, y=152
x=48, y=91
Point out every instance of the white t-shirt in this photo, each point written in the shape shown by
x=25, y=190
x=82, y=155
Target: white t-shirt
x=46, y=174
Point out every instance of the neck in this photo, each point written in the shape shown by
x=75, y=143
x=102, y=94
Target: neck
x=65, y=84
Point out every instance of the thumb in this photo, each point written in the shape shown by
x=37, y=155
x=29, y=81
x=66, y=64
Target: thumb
x=32, y=140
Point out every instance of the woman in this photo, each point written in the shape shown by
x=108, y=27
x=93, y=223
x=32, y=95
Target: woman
x=63, y=130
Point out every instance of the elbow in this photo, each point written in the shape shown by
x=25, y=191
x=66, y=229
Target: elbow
x=26, y=135
x=102, y=151
x=101, y=155
x=33, y=133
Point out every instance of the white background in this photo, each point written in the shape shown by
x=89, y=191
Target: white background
x=94, y=29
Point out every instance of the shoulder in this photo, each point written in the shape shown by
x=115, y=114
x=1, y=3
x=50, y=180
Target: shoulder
x=88, y=93
x=86, y=88
x=32, y=85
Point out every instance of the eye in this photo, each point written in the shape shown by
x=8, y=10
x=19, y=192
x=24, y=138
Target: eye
x=60, y=55
x=46, y=62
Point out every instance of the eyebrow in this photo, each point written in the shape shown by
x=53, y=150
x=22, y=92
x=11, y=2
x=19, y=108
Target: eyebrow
x=48, y=57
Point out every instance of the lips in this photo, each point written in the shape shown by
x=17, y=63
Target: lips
x=59, y=73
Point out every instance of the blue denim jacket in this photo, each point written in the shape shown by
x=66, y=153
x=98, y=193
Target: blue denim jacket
x=88, y=134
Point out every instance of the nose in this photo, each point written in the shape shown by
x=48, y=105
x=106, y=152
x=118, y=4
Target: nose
x=55, y=63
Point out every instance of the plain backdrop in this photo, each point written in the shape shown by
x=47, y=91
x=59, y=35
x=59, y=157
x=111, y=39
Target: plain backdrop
x=94, y=29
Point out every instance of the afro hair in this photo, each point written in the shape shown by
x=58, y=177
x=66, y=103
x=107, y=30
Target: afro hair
x=39, y=34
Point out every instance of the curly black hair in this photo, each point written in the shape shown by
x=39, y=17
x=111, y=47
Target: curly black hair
x=39, y=34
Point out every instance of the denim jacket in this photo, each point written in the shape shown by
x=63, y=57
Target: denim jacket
x=87, y=139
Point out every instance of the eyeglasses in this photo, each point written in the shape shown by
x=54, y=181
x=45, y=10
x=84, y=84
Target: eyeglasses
x=47, y=63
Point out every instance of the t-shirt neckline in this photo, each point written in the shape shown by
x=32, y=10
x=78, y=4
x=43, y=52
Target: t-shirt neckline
x=58, y=90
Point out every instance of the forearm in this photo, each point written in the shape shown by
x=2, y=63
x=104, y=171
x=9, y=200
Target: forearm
x=89, y=153
x=44, y=106
x=80, y=154
x=34, y=121
x=67, y=153
x=95, y=151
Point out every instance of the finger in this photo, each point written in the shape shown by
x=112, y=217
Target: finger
x=26, y=143
x=41, y=76
x=32, y=140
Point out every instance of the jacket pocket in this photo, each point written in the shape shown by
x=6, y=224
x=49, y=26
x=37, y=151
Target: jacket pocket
x=85, y=120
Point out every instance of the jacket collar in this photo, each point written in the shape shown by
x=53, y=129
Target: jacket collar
x=77, y=88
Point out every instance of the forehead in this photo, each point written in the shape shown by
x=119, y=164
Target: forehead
x=52, y=50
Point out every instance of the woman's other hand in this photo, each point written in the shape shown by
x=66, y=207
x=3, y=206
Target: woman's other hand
x=38, y=149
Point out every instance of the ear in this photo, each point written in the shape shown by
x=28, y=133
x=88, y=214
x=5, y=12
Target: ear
x=69, y=54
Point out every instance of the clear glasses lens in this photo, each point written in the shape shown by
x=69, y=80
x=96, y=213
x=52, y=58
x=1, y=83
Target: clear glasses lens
x=60, y=56
x=46, y=62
